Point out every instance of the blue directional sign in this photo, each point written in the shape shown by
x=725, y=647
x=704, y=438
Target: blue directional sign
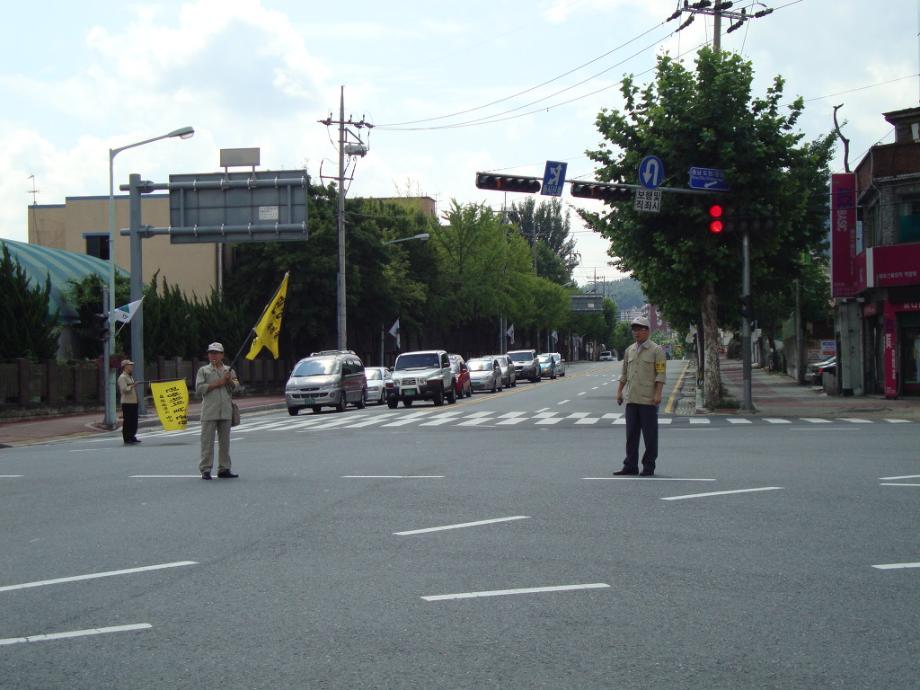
x=553, y=178
x=710, y=179
x=651, y=172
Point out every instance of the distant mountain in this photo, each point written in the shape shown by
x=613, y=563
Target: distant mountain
x=625, y=292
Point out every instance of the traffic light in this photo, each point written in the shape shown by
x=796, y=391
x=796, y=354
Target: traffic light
x=747, y=310
x=601, y=191
x=507, y=183
x=716, y=222
x=102, y=326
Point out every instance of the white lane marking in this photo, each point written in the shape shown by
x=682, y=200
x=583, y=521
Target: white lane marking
x=512, y=420
x=893, y=484
x=594, y=388
x=903, y=476
x=461, y=525
x=543, y=415
x=376, y=419
x=262, y=426
x=855, y=420
x=653, y=479
x=699, y=420
x=721, y=493
x=898, y=421
x=578, y=415
x=475, y=422
x=481, y=413
x=895, y=566
x=442, y=419
x=506, y=592
x=732, y=420
x=776, y=420
x=619, y=420
x=562, y=402
x=549, y=420
x=327, y=423
x=84, y=450
x=165, y=476
x=10, y=476
x=408, y=419
x=93, y=576
x=509, y=415
x=542, y=409
x=75, y=633
x=815, y=420
x=588, y=420
x=583, y=393
x=612, y=415
x=665, y=420
x=392, y=476
x=309, y=421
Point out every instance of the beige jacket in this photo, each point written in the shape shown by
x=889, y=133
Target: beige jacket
x=642, y=369
x=127, y=389
x=215, y=403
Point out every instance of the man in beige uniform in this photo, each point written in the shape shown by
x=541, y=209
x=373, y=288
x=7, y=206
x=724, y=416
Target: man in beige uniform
x=643, y=378
x=214, y=384
x=127, y=389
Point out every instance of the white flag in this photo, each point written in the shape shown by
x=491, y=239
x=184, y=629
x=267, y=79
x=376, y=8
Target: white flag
x=126, y=313
x=394, y=331
x=510, y=333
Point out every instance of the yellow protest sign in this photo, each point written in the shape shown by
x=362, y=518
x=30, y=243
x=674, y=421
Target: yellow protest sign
x=171, y=400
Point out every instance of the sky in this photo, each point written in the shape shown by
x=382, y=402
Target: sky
x=452, y=88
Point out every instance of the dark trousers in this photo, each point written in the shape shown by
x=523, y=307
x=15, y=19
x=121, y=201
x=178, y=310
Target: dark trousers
x=129, y=426
x=641, y=419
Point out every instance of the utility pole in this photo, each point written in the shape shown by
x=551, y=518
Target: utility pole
x=717, y=11
x=351, y=149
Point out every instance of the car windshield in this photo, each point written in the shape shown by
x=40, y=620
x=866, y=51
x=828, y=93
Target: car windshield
x=545, y=358
x=520, y=356
x=318, y=367
x=419, y=360
x=372, y=374
x=479, y=365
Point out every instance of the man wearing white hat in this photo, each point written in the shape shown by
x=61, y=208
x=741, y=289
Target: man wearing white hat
x=127, y=391
x=643, y=378
x=215, y=385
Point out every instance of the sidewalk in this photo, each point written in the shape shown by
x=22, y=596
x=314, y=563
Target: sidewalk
x=778, y=395
x=41, y=429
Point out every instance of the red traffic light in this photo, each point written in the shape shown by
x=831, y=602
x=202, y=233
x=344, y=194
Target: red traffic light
x=715, y=219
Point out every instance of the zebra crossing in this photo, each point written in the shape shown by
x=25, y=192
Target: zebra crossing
x=426, y=419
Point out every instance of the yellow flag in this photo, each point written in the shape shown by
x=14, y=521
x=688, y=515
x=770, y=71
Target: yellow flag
x=269, y=325
x=171, y=400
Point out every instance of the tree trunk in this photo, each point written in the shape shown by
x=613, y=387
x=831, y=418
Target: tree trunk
x=712, y=383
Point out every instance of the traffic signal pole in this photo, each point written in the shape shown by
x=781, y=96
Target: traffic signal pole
x=747, y=404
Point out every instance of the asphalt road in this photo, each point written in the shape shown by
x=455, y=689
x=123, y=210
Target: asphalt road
x=402, y=548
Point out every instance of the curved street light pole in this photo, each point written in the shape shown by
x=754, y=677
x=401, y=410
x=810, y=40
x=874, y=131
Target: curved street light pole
x=109, y=307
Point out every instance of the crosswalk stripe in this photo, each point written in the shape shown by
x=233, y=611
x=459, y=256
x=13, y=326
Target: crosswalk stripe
x=579, y=415
x=475, y=422
x=442, y=419
x=549, y=420
x=509, y=415
x=611, y=415
x=732, y=420
x=588, y=420
x=409, y=419
x=665, y=420
x=776, y=420
x=699, y=420
x=898, y=421
x=816, y=420
x=513, y=420
x=370, y=422
x=854, y=420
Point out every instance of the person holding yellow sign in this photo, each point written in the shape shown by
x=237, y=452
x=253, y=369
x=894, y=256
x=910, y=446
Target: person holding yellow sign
x=215, y=384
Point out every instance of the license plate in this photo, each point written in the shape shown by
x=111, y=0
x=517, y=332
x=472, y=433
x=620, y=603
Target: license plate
x=409, y=391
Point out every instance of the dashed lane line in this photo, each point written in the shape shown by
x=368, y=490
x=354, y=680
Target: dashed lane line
x=721, y=493
x=94, y=576
x=462, y=525
x=75, y=633
x=507, y=592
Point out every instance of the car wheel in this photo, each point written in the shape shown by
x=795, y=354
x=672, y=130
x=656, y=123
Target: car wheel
x=452, y=396
x=343, y=402
x=469, y=390
x=316, y=409
x=362, y=403
x=553, y=376
x=392, y=404
x=293, y=411
x=501, y=386
x=407, y=403
x=438, y=398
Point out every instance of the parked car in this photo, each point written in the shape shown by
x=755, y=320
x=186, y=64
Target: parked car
x=605, y=356
x=526, y=364
x=461, y=376
x=547, y=365
x=560, y=363
x=815, y=371
x=509, y=376
x=377, y=378
x=423, y=375
x=485, y=374
x=332, y=379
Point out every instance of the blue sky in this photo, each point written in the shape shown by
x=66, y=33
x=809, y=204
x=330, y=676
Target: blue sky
x=79, y=78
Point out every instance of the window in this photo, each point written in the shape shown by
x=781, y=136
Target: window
x=909, y=221
x=97, y=244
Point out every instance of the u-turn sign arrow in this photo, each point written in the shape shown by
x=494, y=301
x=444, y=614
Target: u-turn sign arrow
x=651, y=172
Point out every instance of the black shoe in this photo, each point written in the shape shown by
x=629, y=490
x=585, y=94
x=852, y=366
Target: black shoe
x=647, y=473
x=206, y=475
x=226, y=474
x=626, y=473
x=135, y=440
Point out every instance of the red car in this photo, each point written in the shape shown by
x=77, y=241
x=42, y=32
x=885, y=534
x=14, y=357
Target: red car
x=462, y=382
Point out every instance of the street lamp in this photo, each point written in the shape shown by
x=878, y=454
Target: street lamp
x=109, y=346
x=424, y=237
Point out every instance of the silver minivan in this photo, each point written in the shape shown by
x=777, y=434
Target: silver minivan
x=326, y=379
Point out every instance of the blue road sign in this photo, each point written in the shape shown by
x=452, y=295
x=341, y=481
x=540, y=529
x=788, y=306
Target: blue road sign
x=553, y=178
x=710, y=179
x=651, y=172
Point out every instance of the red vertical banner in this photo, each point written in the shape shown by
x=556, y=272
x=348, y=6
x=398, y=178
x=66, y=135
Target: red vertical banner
x=844, y=277
x=891, y=352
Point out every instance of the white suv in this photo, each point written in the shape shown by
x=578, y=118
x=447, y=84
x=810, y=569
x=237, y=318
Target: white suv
x=424, y=375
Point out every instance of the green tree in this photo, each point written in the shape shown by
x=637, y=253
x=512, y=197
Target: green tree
x=708, y=117
x=86, y=298
x=29, y=329
x=547, y=226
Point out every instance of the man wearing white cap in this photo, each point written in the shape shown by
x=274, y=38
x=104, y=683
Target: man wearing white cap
x=643, y=379
x=215, y=384
x=127, y=390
